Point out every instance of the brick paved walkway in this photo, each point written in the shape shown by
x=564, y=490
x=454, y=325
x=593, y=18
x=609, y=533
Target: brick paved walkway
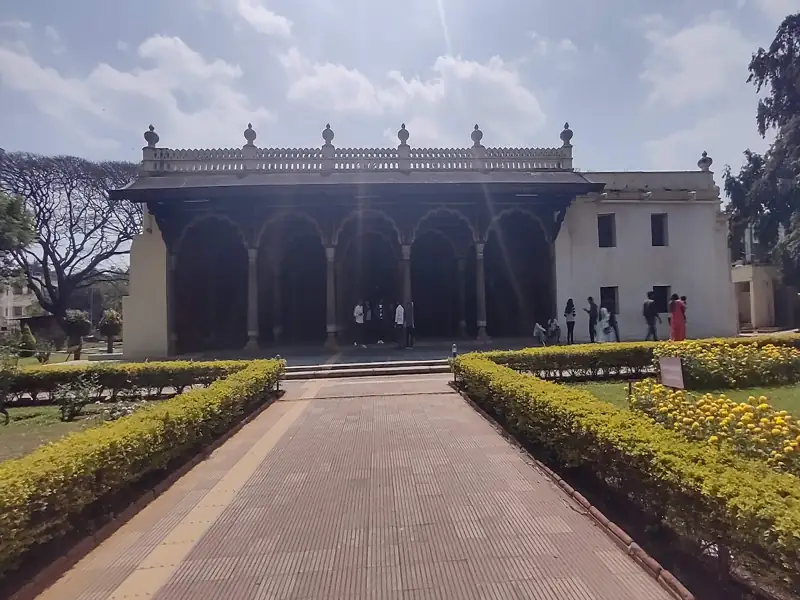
x=386, y=488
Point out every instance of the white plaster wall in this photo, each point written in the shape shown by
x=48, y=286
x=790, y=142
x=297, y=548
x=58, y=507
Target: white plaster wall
x=762, y=280
x=695, y=263
x=144, y=310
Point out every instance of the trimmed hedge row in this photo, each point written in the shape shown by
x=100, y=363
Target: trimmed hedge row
x=704, y=493
x=114, y=379
x=590, y=361
x=43, y=494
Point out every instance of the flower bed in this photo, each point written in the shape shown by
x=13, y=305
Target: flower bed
x=39, y=384
x=46, y=493
x=703, y=492
x=631, y=359
x=722, y=365
x=753, y=429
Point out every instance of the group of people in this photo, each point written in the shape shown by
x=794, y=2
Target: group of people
x=603, y=325
x=378, y=322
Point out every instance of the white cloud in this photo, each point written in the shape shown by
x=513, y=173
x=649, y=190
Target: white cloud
x=436, y=109
x=15, y=24
x=192, y=100
x=697, y=63
x=544, y=46
x=777, y=9
x=262, y=19
x=54, y=38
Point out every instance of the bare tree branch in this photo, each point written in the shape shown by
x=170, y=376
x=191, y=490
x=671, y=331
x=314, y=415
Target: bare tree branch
x=79, y=231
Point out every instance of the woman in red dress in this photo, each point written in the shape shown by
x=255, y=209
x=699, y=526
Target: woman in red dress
x=677, y=322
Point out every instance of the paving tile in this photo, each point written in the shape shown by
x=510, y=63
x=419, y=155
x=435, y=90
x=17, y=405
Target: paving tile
x=378, y=489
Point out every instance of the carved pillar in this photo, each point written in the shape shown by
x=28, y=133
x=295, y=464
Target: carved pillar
x=277, y=327
x=330, y=254
x=462, y=317
x=480, y=291
x=172, y=332
x=341, y=311
x=406, y=269
x=252, y=299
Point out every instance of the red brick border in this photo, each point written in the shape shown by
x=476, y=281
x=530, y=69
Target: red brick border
x=56, y=569
x=667, y=580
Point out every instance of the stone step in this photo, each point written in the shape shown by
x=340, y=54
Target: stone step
x=367, y=365
x=365, y=371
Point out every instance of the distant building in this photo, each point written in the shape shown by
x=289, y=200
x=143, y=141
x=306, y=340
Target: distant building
x=16, y=301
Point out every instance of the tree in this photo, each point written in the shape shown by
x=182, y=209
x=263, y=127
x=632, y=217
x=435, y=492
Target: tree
x=76, y=325
x=110, y=327
x=27, y=342
x=766, y=191
x=80, y=233
x=16, y=230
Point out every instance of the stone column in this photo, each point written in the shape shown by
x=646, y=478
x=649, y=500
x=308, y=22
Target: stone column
x=172, y=332
x=406, y=269
x=252, y=299
x=480, y=291
x=462, y=317
x=330, y=254
x=277, y=328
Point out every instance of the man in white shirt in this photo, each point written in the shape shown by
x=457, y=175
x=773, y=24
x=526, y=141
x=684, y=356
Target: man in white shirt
x=399, y=324
x=358, y=316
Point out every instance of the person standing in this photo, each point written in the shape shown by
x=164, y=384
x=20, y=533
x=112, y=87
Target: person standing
x=409, y=322
x=379, y=316
x=677, y=323
x=612, y=321
x=400, y=325
x=592, y=311
x=358, y=317
x=603, y=326
x=569, y=317
x=650, y=314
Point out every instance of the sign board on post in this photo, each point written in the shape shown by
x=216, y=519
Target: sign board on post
x=671, y=371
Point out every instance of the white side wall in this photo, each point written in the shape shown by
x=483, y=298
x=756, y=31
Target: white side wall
x=695, y=263
x=762, y=281
x=144, y=310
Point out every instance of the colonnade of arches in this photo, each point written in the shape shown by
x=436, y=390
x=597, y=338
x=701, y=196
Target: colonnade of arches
x=295, y=286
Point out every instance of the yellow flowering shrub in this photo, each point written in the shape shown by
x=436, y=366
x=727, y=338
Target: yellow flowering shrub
x=704, y=493
x=753, y=429
x=719, y=364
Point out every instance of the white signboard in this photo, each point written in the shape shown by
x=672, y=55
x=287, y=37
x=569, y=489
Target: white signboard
x=671, y=372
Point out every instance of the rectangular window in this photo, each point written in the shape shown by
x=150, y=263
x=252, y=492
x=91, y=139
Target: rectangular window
x=18, y=311
x=658, y=229
x=661, y=294
x=606, y=231
x=609, y=297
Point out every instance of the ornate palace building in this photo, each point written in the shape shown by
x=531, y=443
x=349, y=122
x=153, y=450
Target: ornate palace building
x=258, y=247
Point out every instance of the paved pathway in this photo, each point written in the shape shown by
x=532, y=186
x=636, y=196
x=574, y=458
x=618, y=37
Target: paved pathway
x=383, y=488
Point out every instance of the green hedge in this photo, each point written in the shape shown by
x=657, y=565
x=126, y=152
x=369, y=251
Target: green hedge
x=114, y=379
x=44, y=493
x=590, y=361
x=703, y=493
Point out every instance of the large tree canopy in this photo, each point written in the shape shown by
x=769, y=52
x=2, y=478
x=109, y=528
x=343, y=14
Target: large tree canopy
x=81, y=235
x=766, y=191
x=16, y=230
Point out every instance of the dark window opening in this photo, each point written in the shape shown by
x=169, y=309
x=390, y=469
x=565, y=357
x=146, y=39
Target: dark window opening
x=609, y=297
x=661, y=294
x=658, y=229
x=606, y=231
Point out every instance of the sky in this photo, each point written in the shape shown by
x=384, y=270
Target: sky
x=644, y=84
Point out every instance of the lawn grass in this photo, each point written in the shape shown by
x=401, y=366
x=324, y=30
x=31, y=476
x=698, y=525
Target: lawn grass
x=783, y=397
x=34, y=426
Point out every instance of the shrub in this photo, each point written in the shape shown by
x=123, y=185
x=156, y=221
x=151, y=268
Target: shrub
x=705, y=493
x=76, y=326
x=27, y=344
x=116, y=379
x=591, y=361
x=44, y=494
x=753, y=428
x=720, y=365
x=110, y=327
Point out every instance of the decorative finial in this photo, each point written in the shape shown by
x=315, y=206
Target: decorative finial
x=403, y=134
x=566, y=135
x=477, y=136
x=151, y=137
x=327, y=134
x=250, y=134
x=705, y=162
